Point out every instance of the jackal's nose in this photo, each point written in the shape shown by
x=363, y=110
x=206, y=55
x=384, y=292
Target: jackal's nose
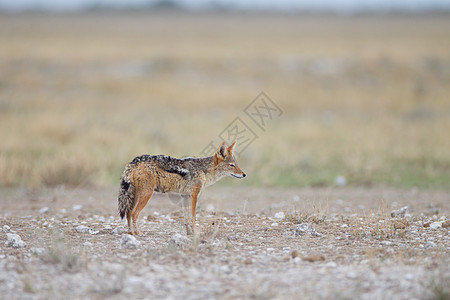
x=243, y=175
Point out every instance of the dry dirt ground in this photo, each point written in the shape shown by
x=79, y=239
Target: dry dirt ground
x=336, y=243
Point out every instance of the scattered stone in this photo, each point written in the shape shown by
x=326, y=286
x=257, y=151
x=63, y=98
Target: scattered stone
x=43, y=210
x=77, y=207
x=6, y=227
x=87, y=244
x=446, y=224
x=430, y=244
x=151, y=218
x=427, y=224
x=129, y=242
x=340, y=180
x=306, y=228
x=82, y=228
x=314, y=258
x=401, y=224
x=409, y=276
x=274, y=224
x=14, y=240
x=297, y=260
x=93, y=232
x=331, y=264
x=117, y=230
x=435, y=225
x=285, y=258
x=279, y=215
x=248, y=261
x=295, y=254
x=225, y=269
x=178, y=240
x=399, y=213
x=37, y=251
x=386, y=243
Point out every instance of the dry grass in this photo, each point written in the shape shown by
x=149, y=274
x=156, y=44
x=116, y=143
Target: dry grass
x=81, y=95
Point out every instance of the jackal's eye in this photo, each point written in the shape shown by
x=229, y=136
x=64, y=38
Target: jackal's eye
x=231, y=165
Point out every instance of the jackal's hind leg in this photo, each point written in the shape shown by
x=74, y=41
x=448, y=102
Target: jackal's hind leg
x=142, y=201
x=129, y=223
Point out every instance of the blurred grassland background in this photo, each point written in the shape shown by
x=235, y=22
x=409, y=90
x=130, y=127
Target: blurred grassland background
x=367, y=98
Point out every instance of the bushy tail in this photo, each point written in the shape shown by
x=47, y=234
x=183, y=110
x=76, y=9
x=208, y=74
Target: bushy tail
x=127, y=194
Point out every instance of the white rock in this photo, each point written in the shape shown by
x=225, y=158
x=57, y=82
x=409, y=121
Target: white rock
x=331, y=264
x=178, y=240
x=93, y=232
x=430, y=244
x=210, y=207
x=306, y=228
x=87, y=244
x=14, y=240
x=43, y=210
x=129, y=242
x=274, y=224
x=279, y=215
x=224, y=269
x=344, y=226
x=37, y=251
x=117, y=230
x=6, y=227
x=386, y=243
x=82, y=228
x=297, y=260
x=340, y=180
x=435, y=225
x=77, y=207
x=399, y=213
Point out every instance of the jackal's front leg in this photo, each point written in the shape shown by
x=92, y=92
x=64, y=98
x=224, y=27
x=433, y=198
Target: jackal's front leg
x=194, y=196
x=187, y=221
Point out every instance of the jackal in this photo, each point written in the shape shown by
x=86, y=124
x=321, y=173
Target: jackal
x=146, y=174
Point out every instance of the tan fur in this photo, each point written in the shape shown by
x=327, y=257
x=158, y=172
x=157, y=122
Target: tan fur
x=187, y=176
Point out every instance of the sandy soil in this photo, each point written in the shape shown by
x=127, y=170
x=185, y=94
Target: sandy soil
x=337, y=243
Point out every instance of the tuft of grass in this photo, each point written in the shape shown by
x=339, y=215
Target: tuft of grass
x=60, y=253
x=309, y=213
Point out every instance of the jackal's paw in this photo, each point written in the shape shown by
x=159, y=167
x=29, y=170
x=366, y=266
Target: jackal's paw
x=137, y=232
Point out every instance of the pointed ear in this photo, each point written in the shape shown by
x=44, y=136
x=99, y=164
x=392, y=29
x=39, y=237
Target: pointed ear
x=230, y=149
x=222, y=151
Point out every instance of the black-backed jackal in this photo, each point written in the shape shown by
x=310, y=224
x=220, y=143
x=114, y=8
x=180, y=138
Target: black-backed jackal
x=146, y=174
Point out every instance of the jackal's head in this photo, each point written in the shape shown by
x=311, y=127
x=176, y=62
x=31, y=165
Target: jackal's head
x=225, y=163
